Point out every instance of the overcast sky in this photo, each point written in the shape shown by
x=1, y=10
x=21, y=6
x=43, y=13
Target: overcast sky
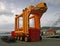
x=8, y=9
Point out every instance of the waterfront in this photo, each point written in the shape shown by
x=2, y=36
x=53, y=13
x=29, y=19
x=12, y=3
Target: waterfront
x=45, y=42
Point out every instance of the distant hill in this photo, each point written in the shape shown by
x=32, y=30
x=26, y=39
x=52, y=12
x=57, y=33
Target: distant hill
x=55, y=28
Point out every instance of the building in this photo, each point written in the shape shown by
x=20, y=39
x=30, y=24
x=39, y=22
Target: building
x=50, y=32
x=58, y=32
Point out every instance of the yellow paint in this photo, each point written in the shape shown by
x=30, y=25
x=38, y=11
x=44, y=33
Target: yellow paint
x=37, y=13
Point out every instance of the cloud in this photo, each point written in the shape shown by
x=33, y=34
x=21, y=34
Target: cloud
x=6, y=27
x=49, y=19
x=4, y=10
x=53, y=2
x=31, y=22
x=6, y=13
x=9, y=9
x=6, y=19
x=2, y=6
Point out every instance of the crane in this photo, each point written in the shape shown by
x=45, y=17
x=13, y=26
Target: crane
x=25, y=33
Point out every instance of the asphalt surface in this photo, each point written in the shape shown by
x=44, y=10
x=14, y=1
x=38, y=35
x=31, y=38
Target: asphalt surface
x=44, y=42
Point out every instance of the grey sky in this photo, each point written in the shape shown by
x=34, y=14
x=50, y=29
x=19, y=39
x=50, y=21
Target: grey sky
x=9, y=8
